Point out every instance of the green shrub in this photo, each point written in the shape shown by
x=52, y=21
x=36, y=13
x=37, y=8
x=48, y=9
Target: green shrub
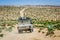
x=9, y=29
x=1, y=35
x=57, y=26
x=0, y=30
x=49, y=27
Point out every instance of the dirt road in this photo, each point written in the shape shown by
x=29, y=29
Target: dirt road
x=14, y=35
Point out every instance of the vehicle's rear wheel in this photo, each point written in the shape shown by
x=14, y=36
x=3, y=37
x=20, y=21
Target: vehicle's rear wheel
x=31, y=30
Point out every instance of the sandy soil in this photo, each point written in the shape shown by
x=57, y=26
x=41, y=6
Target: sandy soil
x=14, y=35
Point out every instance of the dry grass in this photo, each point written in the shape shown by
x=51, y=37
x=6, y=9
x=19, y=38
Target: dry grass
x=12, y=13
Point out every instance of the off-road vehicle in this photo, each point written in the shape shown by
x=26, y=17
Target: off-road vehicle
x=24, y=24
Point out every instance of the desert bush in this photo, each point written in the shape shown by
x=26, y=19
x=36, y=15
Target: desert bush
x=1, y=35
x=0, y=30
x=2, y=23
x=57, y=26
x=11, y=22
x=9, y=29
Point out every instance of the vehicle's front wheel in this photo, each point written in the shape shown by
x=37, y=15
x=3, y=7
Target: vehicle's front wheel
x=19, y=31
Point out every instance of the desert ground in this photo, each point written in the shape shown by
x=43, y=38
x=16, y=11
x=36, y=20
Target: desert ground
x=48, y=13
x=35, y=35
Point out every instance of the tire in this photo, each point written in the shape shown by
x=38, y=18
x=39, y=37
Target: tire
x=19, y=31
x=31, y=30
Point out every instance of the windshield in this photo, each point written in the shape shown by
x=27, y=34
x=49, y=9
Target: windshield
x=24, y=22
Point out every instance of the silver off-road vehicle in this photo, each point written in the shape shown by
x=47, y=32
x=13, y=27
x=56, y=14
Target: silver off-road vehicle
x=24, y=24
